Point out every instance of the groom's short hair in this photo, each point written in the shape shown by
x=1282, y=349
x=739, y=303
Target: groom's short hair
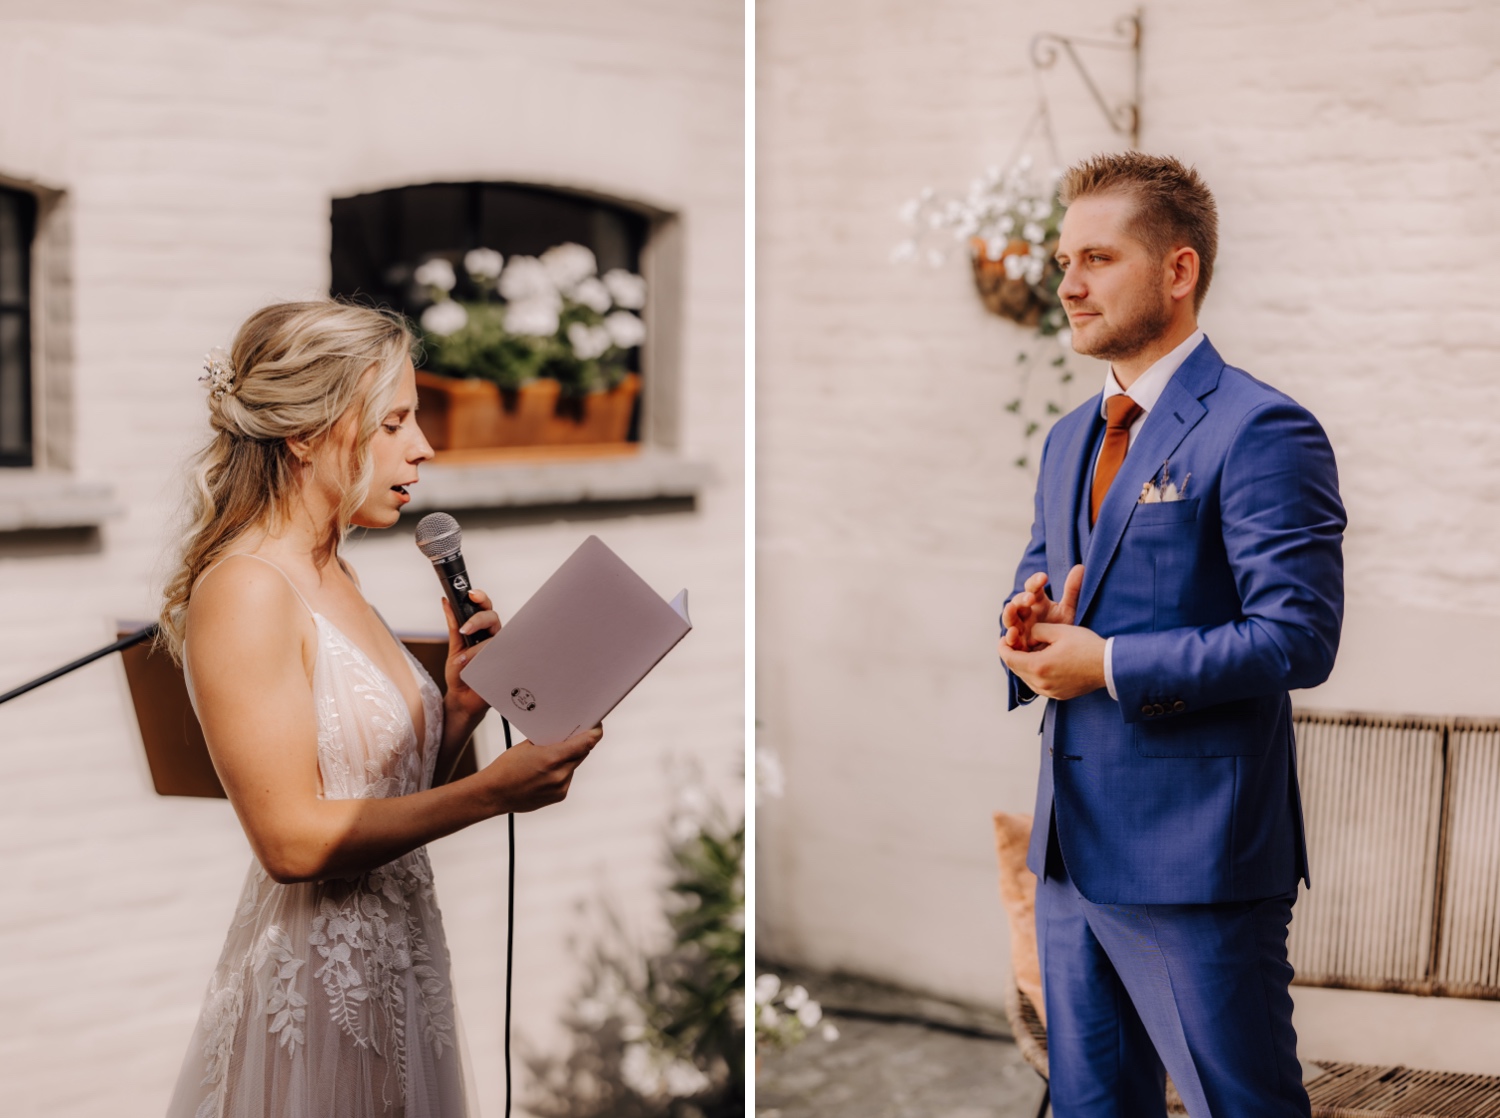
x=1174, y=206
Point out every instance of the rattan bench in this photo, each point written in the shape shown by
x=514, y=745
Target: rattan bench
x=1403, y=834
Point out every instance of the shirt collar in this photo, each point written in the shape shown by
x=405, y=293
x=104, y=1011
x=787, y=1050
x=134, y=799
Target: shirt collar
x=1149, y=386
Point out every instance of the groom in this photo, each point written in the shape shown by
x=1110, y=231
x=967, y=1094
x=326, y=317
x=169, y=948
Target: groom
x=1191, y=516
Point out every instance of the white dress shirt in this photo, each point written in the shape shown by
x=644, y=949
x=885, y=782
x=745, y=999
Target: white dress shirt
x=1146, y=390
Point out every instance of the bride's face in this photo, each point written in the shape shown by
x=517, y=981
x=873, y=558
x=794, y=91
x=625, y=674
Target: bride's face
x=396, y=449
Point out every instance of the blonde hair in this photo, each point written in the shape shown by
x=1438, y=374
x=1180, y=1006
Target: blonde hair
x=1173, y=204
x=298, y=368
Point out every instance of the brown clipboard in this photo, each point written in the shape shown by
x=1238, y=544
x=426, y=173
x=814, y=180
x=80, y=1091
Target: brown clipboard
x=175, y=750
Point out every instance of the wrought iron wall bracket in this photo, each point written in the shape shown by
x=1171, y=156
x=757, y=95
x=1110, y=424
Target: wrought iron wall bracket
x=1124, y=118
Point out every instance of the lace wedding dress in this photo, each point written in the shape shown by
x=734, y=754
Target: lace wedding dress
x=332, y=998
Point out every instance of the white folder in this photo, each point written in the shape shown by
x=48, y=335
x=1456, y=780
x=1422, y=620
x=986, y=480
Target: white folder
x=577, y=647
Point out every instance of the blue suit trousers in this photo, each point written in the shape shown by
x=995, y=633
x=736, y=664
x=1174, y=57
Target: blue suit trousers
x=1198, y=991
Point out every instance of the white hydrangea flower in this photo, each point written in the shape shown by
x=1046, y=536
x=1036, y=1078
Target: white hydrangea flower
x=588, y=342
x=626, y=288
x=810, y=1014
x=909, y=210
x=625, y=328
x=444, y=318
x=1065, y=339
x=905, y=252
x=830, y=1031
x=796, y=999
x=569, y=265
x=592, y=1012
x=639, y=1071
x=684, y=1080
x=593, y=294
x=768, y=1016
x=483, y=263
x=537, y=317
x=526, y=277
x=1015, y=267
x=766, y=988
x=437, y=273
x=1034, y=233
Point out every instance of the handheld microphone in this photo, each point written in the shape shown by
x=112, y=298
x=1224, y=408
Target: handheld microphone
x=438, y=538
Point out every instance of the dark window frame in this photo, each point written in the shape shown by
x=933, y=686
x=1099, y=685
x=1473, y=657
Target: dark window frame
x=20, y=308
x=633, y=223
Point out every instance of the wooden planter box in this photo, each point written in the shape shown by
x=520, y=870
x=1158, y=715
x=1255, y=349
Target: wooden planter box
x=462, y=414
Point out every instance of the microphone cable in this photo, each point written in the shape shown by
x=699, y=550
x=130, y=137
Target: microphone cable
x=510, y=926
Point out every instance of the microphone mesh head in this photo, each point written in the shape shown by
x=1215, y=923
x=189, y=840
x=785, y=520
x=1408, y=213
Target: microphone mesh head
x=438, y=536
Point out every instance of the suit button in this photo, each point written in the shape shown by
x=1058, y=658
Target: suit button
x=1146, y=710
x=1179, y=706
x=1158, y=709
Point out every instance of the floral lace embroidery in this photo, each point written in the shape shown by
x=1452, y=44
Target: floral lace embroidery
x=222, y=1011
x=287, y=1008
x=388, y=939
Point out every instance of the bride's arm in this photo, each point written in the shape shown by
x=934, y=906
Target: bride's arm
x=251, y=647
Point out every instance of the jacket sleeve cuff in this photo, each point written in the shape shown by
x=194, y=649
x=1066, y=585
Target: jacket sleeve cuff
x=1143, y=695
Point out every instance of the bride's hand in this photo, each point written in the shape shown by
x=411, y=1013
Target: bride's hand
x=461, y=699
x=528, y=776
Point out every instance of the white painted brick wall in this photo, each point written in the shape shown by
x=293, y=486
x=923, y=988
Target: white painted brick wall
x=1353, y=149
x=200, y=145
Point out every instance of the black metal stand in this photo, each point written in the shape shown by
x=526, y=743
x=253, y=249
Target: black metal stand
x=146, y=634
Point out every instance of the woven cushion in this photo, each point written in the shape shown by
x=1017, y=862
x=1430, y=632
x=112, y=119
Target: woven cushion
x=1018, y=894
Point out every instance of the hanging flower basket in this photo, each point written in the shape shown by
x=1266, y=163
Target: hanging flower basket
x=1007, y=295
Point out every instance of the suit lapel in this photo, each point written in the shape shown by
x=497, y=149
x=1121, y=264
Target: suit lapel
x=1068, y=486
x=1176, y=413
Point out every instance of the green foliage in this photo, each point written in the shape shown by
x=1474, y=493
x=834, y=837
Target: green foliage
x=483, y=348
x=662, y=1035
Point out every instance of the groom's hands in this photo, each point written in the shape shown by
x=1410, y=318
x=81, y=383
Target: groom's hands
x=1032, y=607
x=1056, y=658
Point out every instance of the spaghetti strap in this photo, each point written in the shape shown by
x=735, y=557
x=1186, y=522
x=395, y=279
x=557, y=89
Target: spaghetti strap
x=267, y=562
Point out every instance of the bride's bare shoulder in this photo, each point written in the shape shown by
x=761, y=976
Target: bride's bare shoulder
x=242, y=611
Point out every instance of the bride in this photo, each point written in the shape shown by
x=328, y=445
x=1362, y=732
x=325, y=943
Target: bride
x=331, y=998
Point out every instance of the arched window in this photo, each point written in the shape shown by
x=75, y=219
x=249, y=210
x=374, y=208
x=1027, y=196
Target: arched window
x=381, y=239
x=17, y=229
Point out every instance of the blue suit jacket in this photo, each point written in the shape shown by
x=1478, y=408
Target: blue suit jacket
x=1185, y=790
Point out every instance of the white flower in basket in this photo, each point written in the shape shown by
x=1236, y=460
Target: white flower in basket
x=437, y=273
x=444, y=318
x=569, y=265
x=625, y=328
x=536, y=317
x=626, y=288
x=588, y=342
x=526, y=277
x=592, y=294
x=483, y=263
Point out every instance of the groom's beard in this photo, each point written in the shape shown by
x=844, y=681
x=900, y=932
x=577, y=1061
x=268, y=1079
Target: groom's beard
x=1142, y=324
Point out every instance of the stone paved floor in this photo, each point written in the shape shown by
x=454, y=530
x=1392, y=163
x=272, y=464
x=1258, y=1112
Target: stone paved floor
x=898, y=1055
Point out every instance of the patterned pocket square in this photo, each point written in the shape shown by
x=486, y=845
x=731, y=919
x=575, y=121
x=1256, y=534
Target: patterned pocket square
x=1156, y=493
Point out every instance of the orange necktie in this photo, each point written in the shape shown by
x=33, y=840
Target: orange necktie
x=1120, y=412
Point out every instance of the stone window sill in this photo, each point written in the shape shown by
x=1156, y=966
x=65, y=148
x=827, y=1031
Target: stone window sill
x=560, y=476
x=39, y=500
